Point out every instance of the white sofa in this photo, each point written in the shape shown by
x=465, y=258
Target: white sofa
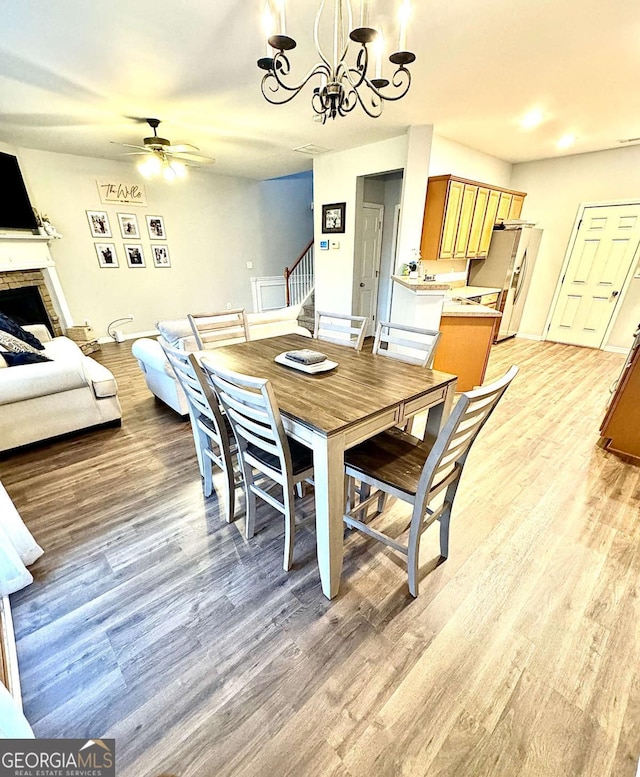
x=158, y=373
x=71, y=392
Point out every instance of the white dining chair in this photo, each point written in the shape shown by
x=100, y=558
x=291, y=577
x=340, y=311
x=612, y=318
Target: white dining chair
x=406, y=343
x=212, y=434
x=214, y=329
x=340, y=329
x=417, y=471
x=263, y=446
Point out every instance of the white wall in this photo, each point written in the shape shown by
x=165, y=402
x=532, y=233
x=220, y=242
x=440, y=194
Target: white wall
x=335, y=177
x=214, y=225
x=555, y=188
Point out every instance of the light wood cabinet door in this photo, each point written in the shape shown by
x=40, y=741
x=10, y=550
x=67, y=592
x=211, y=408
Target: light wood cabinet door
x=451, y=217
x=515, y=210
x=479, y=211
x=490, y=216
x=464, y=222
x=504, y=205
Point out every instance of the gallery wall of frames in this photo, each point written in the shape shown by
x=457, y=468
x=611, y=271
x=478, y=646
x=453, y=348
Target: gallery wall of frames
x=129, y=230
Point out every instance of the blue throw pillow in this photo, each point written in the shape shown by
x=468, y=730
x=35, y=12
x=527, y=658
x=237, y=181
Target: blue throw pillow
x=9, y=325
x=25, y=357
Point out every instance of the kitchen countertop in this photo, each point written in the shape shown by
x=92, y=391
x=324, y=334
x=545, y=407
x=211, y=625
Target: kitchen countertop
x=469, y=311
x=418, y=284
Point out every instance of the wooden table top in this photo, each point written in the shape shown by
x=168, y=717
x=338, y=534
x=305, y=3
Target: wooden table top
x=360, y=386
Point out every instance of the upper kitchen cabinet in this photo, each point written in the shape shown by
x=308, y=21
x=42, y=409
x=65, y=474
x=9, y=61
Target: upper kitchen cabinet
x=459, y=216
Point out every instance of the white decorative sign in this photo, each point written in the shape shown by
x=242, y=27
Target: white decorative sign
x=121, y=193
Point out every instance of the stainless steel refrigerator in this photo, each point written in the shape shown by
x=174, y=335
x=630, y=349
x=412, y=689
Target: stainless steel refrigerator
x=508, y=266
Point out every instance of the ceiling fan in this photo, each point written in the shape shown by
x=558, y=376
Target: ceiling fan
x=161, y=158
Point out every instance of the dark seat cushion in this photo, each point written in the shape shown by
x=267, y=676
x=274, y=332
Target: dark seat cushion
x=301, y=457
x=11, y=327
x=392, y=457
x=209, y=424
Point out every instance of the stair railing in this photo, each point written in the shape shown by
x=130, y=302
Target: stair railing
x=299, y=278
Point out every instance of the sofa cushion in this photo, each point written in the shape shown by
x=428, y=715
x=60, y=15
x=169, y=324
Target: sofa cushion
x=173, y=331
x=12, y=359
x=13, y=328
x=9, y=342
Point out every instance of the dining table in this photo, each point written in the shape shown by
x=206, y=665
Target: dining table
x=331, y=411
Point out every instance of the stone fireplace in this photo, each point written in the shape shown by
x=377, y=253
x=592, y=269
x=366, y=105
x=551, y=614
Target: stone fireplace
x=29, y=282
x=24, y=296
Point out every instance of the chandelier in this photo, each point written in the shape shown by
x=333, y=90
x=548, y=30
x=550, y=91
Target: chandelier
x=340, y=86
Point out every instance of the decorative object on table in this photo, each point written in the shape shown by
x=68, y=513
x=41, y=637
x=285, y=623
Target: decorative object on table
x=161, y=158
x=413, y=269
x=99, y=223
x=84, y=337
x=129, y=226
x=322, y=366
x=339, y=86
x=160, y=256
x=155, y=227
x=45, y=227
x=107, y=256
x=333, y=217
x=414, y=263
x=306, y=356
x=135, y=254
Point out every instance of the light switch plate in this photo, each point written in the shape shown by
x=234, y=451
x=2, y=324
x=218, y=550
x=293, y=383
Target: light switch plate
x=335, y=244
x=249, y=265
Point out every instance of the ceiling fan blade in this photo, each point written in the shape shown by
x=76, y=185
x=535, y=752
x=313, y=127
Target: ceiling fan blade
x=131, y=145
x=197, y=159
x=181, y=148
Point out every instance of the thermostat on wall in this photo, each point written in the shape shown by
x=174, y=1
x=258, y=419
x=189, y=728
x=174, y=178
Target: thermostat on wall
x=324, y=245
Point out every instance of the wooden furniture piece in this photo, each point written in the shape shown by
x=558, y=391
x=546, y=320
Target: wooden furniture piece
x=460, y=214
x=620, y=428
x=85, y=337
x=406, y=343
x=251, y=406
x=212, y=435
x=212, y=329
x=467, y=335
x=333, y=411
x=341, y=329
x=9, y=675
x=416, y=471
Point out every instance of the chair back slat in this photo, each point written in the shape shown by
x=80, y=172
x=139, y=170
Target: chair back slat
x=406, y=343
x=340, y=328
x=212, y=330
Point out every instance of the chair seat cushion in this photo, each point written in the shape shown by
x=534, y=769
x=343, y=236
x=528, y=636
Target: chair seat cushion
x=205, y=421
x=301, y=457
x=392, y=457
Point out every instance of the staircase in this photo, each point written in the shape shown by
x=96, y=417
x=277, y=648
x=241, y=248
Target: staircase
x=299, y=286
x=307, y=317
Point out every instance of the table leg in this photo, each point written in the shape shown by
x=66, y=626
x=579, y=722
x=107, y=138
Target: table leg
x=328, y=477
x=437, y=416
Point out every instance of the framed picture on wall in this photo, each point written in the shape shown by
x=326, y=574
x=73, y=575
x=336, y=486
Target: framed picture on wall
x=135, y=254
x=107, y=256
x=155, y=227
x=333, y=217
x=129, y=226
x=99, y=223
x=161, y=256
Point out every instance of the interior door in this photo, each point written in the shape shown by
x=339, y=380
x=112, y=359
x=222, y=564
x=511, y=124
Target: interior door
x=367, y=265
x=604, y=250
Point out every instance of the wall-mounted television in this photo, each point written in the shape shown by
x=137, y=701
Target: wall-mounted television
x=15, y=210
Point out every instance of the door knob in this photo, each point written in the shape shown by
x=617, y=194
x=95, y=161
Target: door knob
x=362, y=286
x=615, y=293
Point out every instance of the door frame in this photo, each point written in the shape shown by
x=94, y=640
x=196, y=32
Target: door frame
x=380, y=207
x=565, y=263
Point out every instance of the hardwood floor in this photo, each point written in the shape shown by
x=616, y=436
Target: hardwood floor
x=152, y=621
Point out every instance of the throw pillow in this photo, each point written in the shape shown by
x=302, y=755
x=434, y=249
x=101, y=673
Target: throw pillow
x=9, y=342
x=25, y=357
x=9, y=325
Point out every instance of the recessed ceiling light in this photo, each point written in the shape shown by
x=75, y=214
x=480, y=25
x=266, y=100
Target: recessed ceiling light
x=566, y=141
x=532, y=119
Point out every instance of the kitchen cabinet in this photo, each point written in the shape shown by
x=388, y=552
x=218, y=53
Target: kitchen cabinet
x=460, y=214
x=620, y=429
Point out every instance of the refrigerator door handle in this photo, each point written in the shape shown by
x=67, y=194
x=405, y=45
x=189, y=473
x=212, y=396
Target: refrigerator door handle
x=523, y=273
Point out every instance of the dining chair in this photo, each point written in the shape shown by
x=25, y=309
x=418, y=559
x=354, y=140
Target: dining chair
x=214, y=329
x=416, y=471
x=263, y=446
x=406, y=343
x=212, y=434
x=340, y=329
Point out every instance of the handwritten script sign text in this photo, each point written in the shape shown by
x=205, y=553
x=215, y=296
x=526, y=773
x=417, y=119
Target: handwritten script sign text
x=121, y=193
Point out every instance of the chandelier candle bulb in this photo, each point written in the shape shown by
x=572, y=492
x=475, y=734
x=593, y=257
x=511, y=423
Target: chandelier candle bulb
x=405, y=11
x=282, y=20
x=364, y=13
x=379, y=49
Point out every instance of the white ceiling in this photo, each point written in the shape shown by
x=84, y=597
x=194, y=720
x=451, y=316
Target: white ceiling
x=74, y=72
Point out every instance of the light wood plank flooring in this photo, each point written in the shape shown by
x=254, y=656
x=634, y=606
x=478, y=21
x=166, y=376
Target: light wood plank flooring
x=152, y=621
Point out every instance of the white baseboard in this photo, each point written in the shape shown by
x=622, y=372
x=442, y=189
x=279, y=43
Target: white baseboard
x=616, y=349
x=527, y=336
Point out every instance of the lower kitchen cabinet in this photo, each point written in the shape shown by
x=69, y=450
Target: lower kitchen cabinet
x=464, y=346
x=620, y=429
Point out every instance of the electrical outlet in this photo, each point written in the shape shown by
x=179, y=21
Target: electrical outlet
x=228, y=306
x=249, y=265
